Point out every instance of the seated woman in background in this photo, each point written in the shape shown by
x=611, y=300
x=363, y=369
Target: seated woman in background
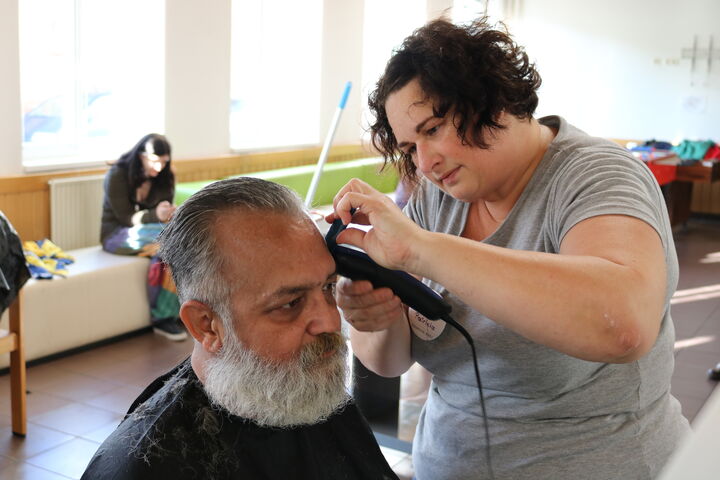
x=139, y=191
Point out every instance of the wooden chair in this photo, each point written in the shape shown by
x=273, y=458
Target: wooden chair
x=12, y=341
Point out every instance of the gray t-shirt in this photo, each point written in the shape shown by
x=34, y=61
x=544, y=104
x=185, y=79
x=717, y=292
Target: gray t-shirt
x=551, y=416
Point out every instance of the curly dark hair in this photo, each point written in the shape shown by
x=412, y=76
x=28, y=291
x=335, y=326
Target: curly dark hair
x=473, y=71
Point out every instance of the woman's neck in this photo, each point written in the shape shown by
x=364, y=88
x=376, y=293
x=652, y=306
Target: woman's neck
x=537, y=139
x=486, y=215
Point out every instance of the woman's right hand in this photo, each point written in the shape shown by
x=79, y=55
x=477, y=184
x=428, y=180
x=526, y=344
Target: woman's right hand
x=164, y=211
x=391, y=240
x=368, y=309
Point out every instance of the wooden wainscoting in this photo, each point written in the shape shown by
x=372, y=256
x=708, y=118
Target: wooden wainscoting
x=706, y=198
x=25, y=199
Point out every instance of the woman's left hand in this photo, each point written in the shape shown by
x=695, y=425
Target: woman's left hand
x=391, y=239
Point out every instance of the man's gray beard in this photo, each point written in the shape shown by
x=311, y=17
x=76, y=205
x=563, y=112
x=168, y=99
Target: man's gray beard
x=302, y=391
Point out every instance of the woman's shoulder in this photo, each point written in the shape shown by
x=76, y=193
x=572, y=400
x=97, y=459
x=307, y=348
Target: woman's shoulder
x=574, y=154
x=116, y=178
x=572, y=142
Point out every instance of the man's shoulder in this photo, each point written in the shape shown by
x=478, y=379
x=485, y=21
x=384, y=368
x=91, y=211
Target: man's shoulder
x=160, y=422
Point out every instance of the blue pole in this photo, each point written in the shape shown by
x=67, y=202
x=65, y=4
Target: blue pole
x=326, y=147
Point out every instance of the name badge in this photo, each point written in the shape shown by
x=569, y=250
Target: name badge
x=423, y=327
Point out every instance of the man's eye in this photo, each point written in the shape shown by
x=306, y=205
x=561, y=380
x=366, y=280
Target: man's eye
x=291, y=304
x=433, y=130
x=330, y=288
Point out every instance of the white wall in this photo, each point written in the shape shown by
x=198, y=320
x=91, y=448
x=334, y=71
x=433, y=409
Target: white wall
x=438, y=8
x=341, y=54
x=10, y=110
x=197, y=77
x=614, y=68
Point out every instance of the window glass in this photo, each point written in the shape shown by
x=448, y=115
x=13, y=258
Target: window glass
x=275, y=73
x=92, y=77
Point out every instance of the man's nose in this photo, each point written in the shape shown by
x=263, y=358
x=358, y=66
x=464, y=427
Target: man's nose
x=324, y=318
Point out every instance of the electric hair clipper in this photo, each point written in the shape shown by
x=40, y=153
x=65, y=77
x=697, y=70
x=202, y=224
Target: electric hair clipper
x=357, y=265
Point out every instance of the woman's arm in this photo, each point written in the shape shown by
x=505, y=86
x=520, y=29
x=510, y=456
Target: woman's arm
x=600, y=299
x=380, y=335
x=117, y=194
x=161, y=194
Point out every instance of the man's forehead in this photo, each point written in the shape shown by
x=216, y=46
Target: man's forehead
x=264, y=256
x=245, y=226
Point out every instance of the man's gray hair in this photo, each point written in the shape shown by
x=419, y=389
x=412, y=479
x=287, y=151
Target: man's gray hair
x=188, y=243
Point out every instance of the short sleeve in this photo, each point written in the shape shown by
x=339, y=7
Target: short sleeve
x=605, y=181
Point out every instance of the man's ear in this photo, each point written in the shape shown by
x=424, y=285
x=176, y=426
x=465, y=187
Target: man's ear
x=203, y=324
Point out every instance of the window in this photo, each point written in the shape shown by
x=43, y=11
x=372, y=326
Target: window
x=92, y=78
x=275, y=73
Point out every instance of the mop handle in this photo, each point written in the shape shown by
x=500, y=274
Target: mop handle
x=326, y=147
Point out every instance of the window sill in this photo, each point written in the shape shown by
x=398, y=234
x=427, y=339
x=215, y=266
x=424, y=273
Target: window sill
x=45, y=165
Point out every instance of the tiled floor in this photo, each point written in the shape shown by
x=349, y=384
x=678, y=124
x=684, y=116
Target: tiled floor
x=696, y=313
x=76, y=401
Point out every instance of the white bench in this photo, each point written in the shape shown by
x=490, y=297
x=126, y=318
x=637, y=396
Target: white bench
x=103, y=296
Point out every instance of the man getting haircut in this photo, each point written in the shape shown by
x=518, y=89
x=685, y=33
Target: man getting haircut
x=263, y=394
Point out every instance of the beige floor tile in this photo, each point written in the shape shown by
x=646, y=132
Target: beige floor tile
x=75, y=386
x=75, y=419
x=117, y=400
x=69, y=459
x=14, y=470
x=99, y=435
x=38, y=403
x=37, y=440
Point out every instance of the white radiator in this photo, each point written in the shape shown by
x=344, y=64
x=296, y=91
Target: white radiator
x=75, y=211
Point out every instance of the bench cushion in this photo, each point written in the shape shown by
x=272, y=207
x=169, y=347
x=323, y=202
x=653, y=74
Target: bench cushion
x=104, y=295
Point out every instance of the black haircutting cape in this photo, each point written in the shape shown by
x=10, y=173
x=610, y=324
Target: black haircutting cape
x=173, y=432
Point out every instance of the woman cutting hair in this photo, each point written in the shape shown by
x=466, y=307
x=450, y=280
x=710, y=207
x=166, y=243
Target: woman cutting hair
x=555, y=252
x=139, y=191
